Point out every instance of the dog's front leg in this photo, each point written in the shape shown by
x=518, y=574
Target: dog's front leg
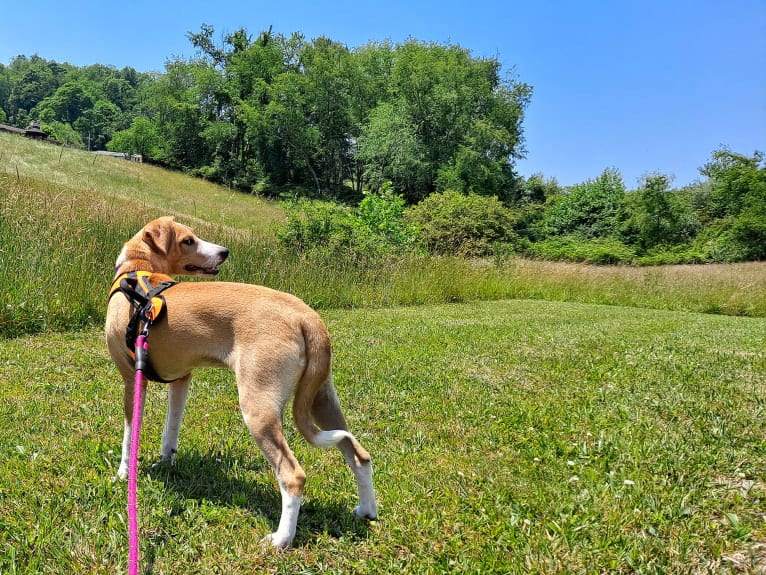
x=177, y=393
x=122, y=470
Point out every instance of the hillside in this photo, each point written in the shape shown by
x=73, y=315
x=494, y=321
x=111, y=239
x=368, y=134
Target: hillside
x=131, y=183
x=66, y=213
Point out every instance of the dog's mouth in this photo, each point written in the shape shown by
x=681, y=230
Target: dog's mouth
x=199, y=270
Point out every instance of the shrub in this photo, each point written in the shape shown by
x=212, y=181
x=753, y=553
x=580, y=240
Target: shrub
x=748, y=232
x=312, y=224
x=376, y=227
x=383, y=217
x=579, y=249
x=592, y=209
x=671, y=255
x=735, y=239
x=453, y=223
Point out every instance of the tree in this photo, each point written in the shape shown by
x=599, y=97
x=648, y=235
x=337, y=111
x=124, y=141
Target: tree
x=738, y=183
x=34, y=81
x=468, y=120
x=142, y=138
x=658, y=217
x=736, y=203
x=390, y=150
x=98, y=124
x=67, y=104
x=595, y=208
x=327, y=66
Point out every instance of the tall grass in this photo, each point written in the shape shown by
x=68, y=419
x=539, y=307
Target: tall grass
x=61, y=229
x=127, y=183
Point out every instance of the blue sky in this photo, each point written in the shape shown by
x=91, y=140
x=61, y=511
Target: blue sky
x=641, y=86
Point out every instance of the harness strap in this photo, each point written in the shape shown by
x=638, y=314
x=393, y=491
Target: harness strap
x=148, y=307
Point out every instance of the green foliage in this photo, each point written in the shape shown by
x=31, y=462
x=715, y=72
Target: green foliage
x=658, y=217
x=142, y=138
x=383, y=215
x=67, y=104
x=58, y=242
x=592, y=209
x=535, y=190
x=604, y=250
x=375, y=228
x=734, y=205
x=312, y=225
x=458, y=224
x=93, y=101
x=265, y=112
x=676, y=254
x=738, y=183
x=390, y=150
x=277, y=115
x=733, y=239
x=467, y=119
x=748, y=232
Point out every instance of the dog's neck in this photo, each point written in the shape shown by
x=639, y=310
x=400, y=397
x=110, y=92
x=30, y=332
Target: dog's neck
x=135, y=265
x=134, y=261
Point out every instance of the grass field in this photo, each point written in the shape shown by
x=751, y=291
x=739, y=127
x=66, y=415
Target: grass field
x=517, y=424
x=508, y=437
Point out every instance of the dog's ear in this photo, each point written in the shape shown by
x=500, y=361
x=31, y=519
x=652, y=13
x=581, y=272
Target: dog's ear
x=157, y=235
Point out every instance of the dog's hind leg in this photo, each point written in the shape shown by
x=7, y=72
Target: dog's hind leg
x=122, y=471
x=177, y=393
x=328, y=415
x=265, y=425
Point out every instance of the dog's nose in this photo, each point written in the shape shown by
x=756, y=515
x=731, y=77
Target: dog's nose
x=223, y=254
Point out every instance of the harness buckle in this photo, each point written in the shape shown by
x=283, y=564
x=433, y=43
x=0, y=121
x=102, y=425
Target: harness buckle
x=148, y=307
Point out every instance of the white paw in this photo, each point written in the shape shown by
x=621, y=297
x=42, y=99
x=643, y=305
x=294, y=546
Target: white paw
x=277, y=540
x=166, y=459
x=366, y=511
x=122, y=471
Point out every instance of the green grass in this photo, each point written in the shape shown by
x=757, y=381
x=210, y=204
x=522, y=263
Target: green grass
x=58, y=245
x=508, y=437
x=137, y=188
x=64, y=215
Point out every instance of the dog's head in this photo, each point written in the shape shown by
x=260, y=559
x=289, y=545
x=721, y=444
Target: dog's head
x=165, y=246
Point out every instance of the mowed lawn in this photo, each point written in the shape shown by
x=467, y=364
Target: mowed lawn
x=507, y=437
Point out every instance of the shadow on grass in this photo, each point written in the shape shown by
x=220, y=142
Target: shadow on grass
x=234, y=481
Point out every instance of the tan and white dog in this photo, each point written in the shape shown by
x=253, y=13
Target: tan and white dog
x=277, y=346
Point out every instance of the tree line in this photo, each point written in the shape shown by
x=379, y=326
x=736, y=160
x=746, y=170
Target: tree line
x=258, y=113
x=426, y=122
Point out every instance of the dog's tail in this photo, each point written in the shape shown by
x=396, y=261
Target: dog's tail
x=315, y=399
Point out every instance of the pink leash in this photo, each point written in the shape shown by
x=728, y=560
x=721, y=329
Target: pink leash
x=138, y=391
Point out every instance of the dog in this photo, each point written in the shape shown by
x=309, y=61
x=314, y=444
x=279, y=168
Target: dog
x=277, y=346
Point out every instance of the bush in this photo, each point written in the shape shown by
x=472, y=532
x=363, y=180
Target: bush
x=382, y=218
x=471, y=225
x=732, y=239
x=592, y=209
x=579, y=249
x=312, y=224
x=672, y=255
x=749, y=233
x=375, y=228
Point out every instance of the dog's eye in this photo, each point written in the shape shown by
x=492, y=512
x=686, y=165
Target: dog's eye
x=188, y=242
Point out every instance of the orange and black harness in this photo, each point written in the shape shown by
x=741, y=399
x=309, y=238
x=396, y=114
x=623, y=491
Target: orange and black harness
x=148, y=307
